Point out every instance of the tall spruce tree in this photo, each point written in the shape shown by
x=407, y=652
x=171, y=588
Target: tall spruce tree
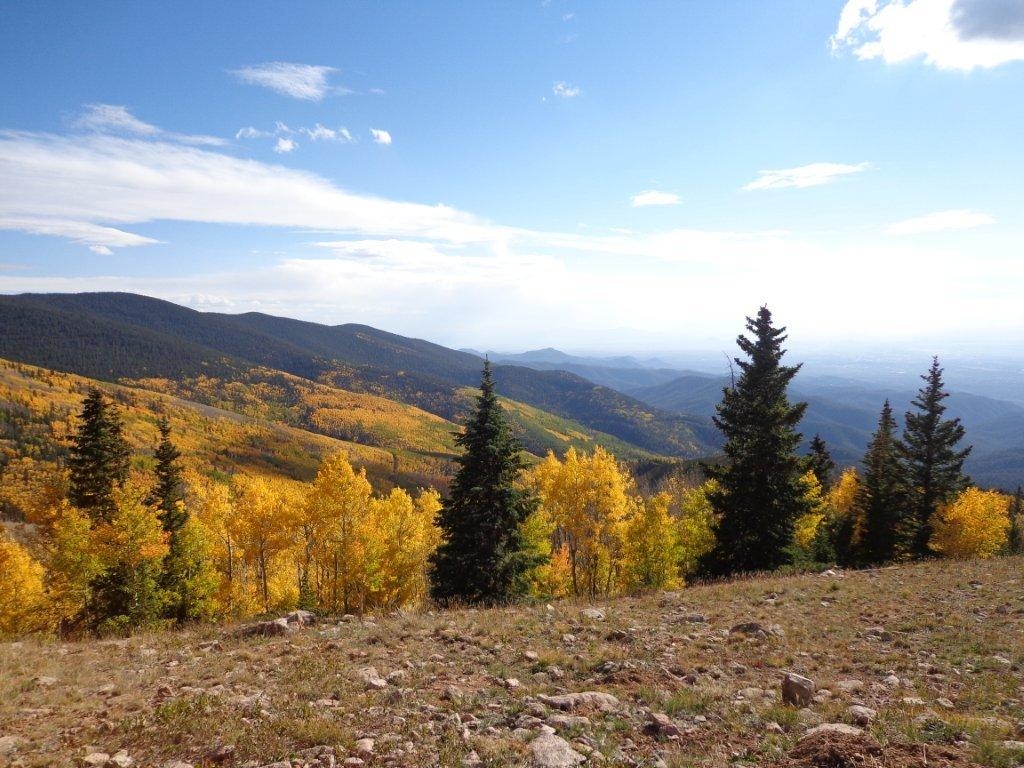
x=761, y=491
x=169, y=491
x=100, y=457
x=821, y=463
x=880, y=496
x=484, y=558
x=932, y=464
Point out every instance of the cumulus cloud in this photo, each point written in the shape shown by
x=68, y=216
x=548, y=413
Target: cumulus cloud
x=380, y=136
x=284, y=146
x=654, y=197
x=565, y=90
x=941, y=221
x=948, y=34
x=812, y=175
x=299, y=81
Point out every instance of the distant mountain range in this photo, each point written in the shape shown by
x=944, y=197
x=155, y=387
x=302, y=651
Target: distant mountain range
x=121, y=336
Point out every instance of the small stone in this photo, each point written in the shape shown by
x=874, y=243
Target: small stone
x=46, y=682
x=371, y=678
x=364, y=746
x=595, y=699
x=774, y=727
x=531, y=656
x=551, y=751
x=472, y=760
x=797, y=689
x=878, y=633
x=10, y=744
x=840, y=729
x=861, y=715
x=945, y=703
x=97, y=759
x=177, y=764
x=301, y=618
x=850, y=686
x=593, y=614
x=891, y=681
x=567, y=721
x=662, y=725
x=913, y=701
x=1013, y=746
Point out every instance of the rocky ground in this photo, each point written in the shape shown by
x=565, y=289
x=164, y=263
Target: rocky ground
x=914, y=666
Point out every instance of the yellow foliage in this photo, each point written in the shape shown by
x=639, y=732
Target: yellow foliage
x=587, y=498
x=651, y=556
x=23, y=604
x=34, y=489
x=71, y=561
x=975, y=524
x=695, y=521
x=806, y=526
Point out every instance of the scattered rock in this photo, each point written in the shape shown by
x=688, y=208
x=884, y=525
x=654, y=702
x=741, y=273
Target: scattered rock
x=371, y=679
x=850, y=686
x=797, y=689
x=1013, y=746
x=593, y=614
x=44, y=682
x=662, y=725
x=551, y=751
x=97, y=759
x=10, y=744
x=177, y=764
x=891, y=681
x=878, y=633
x=221, y=754
x=567, y=721
x=861, y=715
x=604, y=702
x=832, y=729
x=364, y=746
x=121, y=759
x=274, y=628
x=913, y=701
x=945, y=703
x=301, y=618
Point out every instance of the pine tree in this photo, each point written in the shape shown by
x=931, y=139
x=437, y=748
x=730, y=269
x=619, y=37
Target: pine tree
x=879, y=501
x=169, y=493
x=760, y=491
x=100, y=456
x=484, y=556
x=820, y=462
x=932, y=465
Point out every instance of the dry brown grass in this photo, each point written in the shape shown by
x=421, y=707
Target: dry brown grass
x=174, y=696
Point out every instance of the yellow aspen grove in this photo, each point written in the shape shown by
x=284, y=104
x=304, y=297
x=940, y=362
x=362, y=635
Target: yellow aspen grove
x=651, y=556
x=695, y=519
x=337, y=513
x=975, y=524
x=263, y=523
x=400, y=537
x=806, y=527
x=23, y=604
x=71, y=562
x=551, y=578
x=34, y=489
x=587, y=497
x=209, y=503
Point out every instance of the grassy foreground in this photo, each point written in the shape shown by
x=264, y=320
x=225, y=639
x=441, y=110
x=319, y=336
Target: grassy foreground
x=935, y=649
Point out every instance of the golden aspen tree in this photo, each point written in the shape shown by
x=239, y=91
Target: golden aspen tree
x=975, y=524
x=409, y=535
x=695, y=518
x=651, y=556
x=34, y=490
x=550, y=578
x=71, y=562
x=210, y=504
x=588, y=499
x=23, y=604
x=805, y=528
x=339, y=502
x=264, y=525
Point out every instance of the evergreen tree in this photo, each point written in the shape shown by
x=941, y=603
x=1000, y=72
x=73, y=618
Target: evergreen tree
x=880, y=496
x=169, y=494
x=1015, y=544
x=820, y=462
x=760, y=491
x=484, y=556
x=932, y=466
x=100, y=456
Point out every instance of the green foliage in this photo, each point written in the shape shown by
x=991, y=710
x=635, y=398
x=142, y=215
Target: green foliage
x=484, y=556
x=760, y=491
x=880, y=499
x=169, y=493
x=100, y=457
x=820, y=462
x=932, y=465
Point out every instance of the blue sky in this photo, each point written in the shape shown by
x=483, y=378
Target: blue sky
x=511, y=175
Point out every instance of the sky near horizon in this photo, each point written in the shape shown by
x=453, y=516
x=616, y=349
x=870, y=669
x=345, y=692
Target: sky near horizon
x=510, y=175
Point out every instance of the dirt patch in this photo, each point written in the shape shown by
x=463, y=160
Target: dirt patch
x=837, y=750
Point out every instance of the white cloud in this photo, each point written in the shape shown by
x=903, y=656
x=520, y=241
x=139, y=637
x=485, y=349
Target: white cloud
x=948, y=34
x=99, y=239
x=251, y=133
x=568, y=16
x=284, y=146
x=812, y=175
x=117, y=119
x=941, y=221
x=654, y=197
x=300, y=81
x=565, y=90
x=380, y=136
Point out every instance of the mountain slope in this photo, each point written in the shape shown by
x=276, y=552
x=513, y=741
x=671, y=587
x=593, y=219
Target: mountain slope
x=127, y=336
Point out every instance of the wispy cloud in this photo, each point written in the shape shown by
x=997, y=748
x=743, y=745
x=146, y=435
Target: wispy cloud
x=654, y=197
x=117, y=119
x=941, y=221
x=299, y=81
x=812, y=175
x=948, y=34
x=565, y=90
x=380, y=136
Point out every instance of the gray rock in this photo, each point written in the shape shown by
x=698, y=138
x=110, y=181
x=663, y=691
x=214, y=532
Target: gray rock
x=97, y=759
x=593, y=614
x=372, y=679
x=567, y=721
x=841, y=729
x=593, y=699
x=177, y=764
x=550, y=751
x=662, y=725
x=850, y=686
x=274, y=628
x=797, y=689
x=121, y=759
x=364, y=746
x=301, y=618
x=861, y=715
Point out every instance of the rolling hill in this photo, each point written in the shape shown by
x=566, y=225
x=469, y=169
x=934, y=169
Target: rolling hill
x=126, y=337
